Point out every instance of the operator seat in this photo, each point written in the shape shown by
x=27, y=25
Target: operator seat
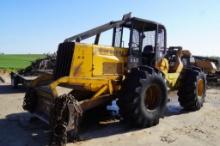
x=148, y=55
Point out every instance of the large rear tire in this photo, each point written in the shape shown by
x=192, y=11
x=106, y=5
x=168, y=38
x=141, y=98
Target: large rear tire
x=192, y=89
x=143, y=98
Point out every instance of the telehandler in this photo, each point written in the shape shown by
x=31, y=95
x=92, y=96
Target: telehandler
x=135, y=68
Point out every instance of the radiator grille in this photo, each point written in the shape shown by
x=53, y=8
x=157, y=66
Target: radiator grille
x=64, y=59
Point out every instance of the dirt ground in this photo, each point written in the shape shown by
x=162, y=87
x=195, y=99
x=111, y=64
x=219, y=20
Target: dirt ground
x=201, y=128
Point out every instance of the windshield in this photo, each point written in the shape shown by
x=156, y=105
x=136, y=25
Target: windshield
x=149, y=40
x=140, y=40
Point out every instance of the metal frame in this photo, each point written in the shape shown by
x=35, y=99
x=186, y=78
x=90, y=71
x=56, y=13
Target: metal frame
x=127, y=21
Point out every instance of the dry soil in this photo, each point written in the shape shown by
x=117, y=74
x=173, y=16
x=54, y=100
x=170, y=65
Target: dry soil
x=177, y=128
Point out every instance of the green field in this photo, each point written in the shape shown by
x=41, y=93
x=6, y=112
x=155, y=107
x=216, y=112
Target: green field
x=17, y=61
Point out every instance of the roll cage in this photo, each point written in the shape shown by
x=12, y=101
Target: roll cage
x=139, y=30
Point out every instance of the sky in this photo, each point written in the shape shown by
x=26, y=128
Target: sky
x=38, y=26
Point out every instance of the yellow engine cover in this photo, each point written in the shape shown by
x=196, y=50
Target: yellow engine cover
x=96, y=60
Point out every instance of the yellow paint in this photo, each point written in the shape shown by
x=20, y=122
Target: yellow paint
x=179, y=66
x=82, y=61
x=87, y=69
x=104, y=54
x=100, y=92
x=89, y=59
x=163, y=65
x=93, y=68
x=171, y=78
x=200, y=88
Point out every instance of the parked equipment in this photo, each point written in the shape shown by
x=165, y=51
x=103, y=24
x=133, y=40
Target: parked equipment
x=136, y=68
x=208, y=65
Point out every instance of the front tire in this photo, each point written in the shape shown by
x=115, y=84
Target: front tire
x=192, y=89
x=143, y=98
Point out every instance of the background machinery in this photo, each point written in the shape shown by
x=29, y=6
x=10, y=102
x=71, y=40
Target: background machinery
x=209, y=65
x=27, y=75
x=135, y=68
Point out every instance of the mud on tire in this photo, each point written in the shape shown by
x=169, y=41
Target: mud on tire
x=143, y=98
x=64, y=106
x=192, y=89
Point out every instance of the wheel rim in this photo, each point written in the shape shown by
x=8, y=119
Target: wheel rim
x=200, y=88
x=152, y=97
